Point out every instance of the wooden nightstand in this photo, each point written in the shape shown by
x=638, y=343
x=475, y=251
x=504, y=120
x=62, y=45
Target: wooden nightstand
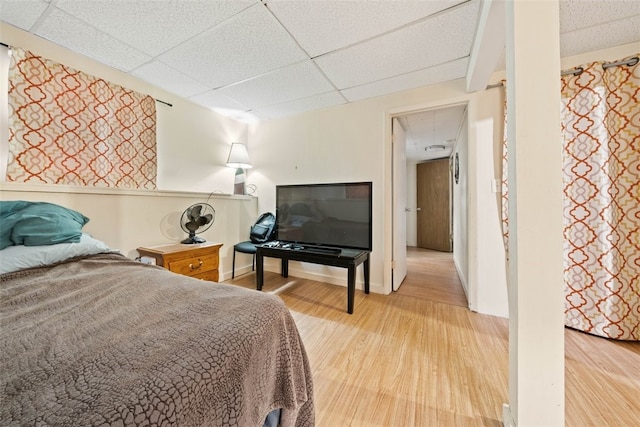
x=199, y=260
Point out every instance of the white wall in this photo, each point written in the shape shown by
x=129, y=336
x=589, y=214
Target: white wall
x=536, y=342
x=486, y=258
x=126, y=220
x=352, y=142
x=324, y=146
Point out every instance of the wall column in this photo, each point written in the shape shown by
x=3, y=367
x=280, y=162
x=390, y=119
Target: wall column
x=535, y=281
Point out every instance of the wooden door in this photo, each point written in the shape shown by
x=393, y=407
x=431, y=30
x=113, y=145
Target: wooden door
x=434, y=205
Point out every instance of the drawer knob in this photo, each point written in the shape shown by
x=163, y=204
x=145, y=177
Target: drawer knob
x=195, y=267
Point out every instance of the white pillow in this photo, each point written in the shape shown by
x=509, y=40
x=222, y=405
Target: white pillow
x=14, y=258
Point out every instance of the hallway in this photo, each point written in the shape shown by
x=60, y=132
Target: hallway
x=431, y=275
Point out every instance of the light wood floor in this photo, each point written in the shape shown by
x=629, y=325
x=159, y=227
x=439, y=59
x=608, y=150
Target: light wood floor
x=416, y=358
x=432, y=275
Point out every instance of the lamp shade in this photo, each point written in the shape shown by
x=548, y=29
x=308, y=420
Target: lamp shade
x=238, y=156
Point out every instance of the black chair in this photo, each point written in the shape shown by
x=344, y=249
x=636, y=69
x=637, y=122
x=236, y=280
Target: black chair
x=247, y=247
x=262, y=231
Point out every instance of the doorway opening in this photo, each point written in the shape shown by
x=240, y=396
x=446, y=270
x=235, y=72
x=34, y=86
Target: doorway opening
x=430, y=140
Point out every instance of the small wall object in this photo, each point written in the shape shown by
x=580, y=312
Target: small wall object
x=456, y=169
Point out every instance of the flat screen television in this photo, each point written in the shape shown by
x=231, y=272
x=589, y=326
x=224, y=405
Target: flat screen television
x=325, y=215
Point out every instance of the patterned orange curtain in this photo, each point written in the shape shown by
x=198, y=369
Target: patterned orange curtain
x=67, y=127
x=601, y=131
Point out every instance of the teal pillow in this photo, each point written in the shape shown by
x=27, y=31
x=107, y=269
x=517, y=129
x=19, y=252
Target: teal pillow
x=38, y=224
x=7, y=209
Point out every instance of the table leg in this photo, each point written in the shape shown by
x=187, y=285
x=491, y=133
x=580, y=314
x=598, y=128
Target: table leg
x=285, y=267
x=366, y=275
x=351, y=287
x=259, y=271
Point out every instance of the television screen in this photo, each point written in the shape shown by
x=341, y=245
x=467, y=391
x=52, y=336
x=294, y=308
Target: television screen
x=333, y=215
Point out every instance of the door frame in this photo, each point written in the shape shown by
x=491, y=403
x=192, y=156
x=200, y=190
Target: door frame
x=389, y=182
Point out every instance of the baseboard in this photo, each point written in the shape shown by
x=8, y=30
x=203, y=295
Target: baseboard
x=340, y=279
x=465, y=287
x=463, y=279
x=240, y=270
x=507, y=417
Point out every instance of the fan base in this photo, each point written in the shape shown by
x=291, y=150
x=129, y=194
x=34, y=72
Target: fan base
x=193, y=240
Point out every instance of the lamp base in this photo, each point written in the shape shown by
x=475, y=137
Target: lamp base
x=238, y=183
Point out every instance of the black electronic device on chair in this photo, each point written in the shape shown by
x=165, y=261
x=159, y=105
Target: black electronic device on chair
x=264, y=230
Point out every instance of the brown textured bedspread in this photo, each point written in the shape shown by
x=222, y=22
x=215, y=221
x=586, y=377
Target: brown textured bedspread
x=104, y=340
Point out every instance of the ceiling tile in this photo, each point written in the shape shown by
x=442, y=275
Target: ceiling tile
x=154, y=29
x=169, y=79
x=215, y=100
x=301, y=105
x=449, y=36
x=428, y=76
x=74, y=34
x=292, y=82
x=324, y=26
x=438, y=126
x=595, y=38
x=22, y=13
x=245, y=46
x=576, y=14
x=432, y=127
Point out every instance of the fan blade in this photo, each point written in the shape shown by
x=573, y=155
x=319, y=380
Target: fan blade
x=195, y=212
x=208, y=217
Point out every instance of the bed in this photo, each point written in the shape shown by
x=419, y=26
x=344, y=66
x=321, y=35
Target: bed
x=90, y=337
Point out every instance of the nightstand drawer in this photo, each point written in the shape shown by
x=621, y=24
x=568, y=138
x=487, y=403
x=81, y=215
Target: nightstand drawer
x=195, y=265
x=195, y=260
x=211, y=275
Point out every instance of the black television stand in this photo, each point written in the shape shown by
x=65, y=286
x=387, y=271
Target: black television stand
x=346, y=258
x=299, y=247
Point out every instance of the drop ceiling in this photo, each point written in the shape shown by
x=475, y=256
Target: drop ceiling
x=432, y=134
x=268, y=59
